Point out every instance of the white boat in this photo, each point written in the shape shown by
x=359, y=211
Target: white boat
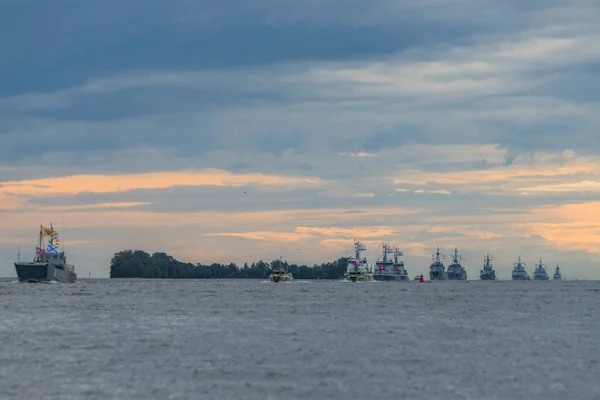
x=358, y=268
x=279, y=273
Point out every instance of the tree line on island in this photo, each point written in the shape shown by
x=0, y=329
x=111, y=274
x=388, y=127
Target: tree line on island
x=139, y=264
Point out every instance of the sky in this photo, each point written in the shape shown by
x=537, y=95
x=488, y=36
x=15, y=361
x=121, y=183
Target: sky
x=249, y=130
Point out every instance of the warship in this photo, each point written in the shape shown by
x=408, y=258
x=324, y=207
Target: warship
x=437, y=271
x=456, y=271
x=384, y=267
x=487, y=273
x=279, y=273
x=557, y=275
x=388, y=270
x=49, y=264
x=518, y=272
x=540, y=273
x=358, y=268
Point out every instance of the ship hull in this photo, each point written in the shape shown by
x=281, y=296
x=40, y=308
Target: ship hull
x=359, y=277
x=519, y=278
x=457, y=277
x=436, y=276
x=487, y=277
x=390, y=278
x=540, y=278
x=281, y=278
x=43, y=272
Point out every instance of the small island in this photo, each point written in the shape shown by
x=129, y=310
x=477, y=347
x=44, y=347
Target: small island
x=140, y=264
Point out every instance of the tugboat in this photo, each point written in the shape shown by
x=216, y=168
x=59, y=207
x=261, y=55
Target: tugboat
x=540, y=272
x=279, y=273
x=487, y=273
x=437, y=271
x=399, y=265
x=557, y=275
x=358, y=268
x=456, y=271
x=49, y=264
x=518, y=272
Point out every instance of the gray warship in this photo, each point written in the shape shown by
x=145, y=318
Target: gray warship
x=358, y=269
x=385, y=266
x=456, y=271
x=519, y=273
x=487, y=273
x=388, y=270
x=437, y=271
x=557, y=275
x=49, y=264
x=540, y=273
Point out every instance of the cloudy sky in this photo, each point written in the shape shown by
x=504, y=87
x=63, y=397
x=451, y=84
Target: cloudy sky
x=253, y=129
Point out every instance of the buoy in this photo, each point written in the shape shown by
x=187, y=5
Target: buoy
x=421, y=278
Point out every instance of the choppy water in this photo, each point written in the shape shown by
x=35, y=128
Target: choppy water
x=160, y=339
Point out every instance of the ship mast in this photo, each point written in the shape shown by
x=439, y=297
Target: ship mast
x=385, y=251
x=38, y=256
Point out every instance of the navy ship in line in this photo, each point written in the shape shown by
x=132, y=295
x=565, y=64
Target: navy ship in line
x=388, y=270
x=540, y=273
x=358, y=268
x=519, y=273
x=557, y=275
x=49, y=264
x=456, y=271
x=384, y=266
x=487, y=273
x=437, y=271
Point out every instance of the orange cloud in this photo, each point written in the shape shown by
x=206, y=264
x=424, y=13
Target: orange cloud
x=155, y=180
x=574, y=227
x=540, y=168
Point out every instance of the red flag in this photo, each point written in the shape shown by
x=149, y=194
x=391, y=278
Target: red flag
x=381, y=267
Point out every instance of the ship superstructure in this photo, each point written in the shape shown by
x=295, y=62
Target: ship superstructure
x=358, y=268
x=437, y=271
x=49, y=263
x=540, y=273
x=519, y=273
x=456, y=271
x=557, y=275
x=487, y=273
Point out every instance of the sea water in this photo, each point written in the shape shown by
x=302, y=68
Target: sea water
x=251, y=339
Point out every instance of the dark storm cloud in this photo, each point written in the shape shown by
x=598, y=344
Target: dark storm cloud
x=190, y=78
x=54, y=45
